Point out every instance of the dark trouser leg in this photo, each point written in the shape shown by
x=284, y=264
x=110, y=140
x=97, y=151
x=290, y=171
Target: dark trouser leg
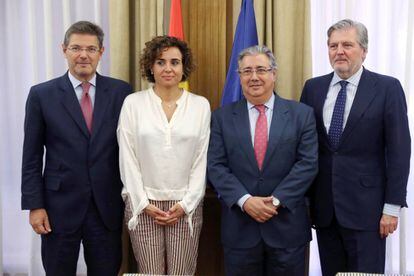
x=60, y=253
x=365, y=250
x=285, y=261
x=102, y=247
x=244, y=261
x=332, y=252
x=347, y=250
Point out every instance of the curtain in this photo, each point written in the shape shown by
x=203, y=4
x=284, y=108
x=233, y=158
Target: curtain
x=31, y=34
x=284, y=26
x=390, y=27
x=132, y=23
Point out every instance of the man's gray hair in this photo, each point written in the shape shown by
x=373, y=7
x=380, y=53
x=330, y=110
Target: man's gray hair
x=360, y=28
x=84, y=27
x=257, y=50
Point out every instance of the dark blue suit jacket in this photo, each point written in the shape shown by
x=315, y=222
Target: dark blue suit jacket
x=78, y=165
x=289, y=167
x=371, y=164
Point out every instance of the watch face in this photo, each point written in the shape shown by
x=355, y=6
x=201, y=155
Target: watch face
x=276, y=202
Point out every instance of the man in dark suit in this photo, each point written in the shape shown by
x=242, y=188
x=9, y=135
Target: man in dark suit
x=77, y=197
x=364, y=155
x=261, y=160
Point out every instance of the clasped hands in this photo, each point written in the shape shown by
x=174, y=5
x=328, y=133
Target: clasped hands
x=170, y=217
x=261, y=209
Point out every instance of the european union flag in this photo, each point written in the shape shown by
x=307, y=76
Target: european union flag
x=245, y=36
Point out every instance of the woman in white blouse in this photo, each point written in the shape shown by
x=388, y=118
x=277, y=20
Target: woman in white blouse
x=163, y=136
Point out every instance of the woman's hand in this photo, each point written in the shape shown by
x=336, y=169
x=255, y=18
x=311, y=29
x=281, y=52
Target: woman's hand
x=175, y=213
x=157, y=214
x=165, y=218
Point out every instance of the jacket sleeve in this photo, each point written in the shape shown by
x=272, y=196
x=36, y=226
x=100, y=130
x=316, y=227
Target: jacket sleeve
x=398, y=145
x=32, y=186
x=226, y=184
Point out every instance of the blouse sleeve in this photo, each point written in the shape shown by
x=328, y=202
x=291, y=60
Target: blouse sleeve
x=128, y=162
x=197, y=178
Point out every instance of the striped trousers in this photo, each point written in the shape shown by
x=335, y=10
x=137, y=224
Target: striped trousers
x=161, y=249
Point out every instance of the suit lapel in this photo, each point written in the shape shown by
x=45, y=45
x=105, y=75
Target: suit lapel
x=277, y=127
x=363, y=97
x=242, y=125
x=71, y=103
x=318, y=108
x=100, y=105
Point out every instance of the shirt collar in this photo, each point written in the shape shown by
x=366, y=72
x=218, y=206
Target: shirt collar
x=75, y=82
x=269, y=104
x=354, y=79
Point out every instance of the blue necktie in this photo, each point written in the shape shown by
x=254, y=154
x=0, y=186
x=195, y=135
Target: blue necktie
x=335, y=130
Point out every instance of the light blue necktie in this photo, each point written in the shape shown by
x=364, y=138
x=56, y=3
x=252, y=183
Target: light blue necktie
x=335, y=129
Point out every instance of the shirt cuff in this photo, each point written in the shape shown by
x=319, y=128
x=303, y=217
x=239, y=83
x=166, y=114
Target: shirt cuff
x=391, y=210
x=242, y=200
x=184, y=207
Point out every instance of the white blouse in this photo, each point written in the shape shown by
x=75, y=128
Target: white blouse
x=161, y=160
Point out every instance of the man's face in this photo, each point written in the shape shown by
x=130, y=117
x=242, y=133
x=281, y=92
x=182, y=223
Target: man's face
x=345, y=53
x=83, y=55
x=259, y=81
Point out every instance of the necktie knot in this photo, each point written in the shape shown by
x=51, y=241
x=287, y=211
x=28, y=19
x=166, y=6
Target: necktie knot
x=261, y=108
x=85, y=87
x=343, y=84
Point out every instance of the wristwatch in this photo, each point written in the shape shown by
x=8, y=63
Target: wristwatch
x=275, y=202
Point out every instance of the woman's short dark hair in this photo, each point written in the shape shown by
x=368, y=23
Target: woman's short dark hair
x=153, y=50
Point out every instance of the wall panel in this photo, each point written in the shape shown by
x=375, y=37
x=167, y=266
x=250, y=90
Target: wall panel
x=205, y=31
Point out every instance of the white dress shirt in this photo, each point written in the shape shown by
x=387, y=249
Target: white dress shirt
x=328, y=107
x=161, y=160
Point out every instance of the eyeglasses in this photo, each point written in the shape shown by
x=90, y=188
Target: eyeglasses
x=261, y=71
x=89, y=50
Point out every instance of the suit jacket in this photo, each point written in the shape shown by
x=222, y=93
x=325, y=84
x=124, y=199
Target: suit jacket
x=371, y=165
x=78, y=166
x=288, y=169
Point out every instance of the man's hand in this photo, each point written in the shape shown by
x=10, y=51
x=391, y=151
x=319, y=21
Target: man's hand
x=39, y=221
x=388, y=224
x=260, y=209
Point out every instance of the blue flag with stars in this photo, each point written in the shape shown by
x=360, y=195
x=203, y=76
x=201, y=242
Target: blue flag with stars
x=245, y=36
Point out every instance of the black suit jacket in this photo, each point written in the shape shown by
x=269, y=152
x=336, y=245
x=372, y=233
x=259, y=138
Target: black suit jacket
x=78, y=165
x=371, y=165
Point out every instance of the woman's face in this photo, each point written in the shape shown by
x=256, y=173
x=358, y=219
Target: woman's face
x=168, y=68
